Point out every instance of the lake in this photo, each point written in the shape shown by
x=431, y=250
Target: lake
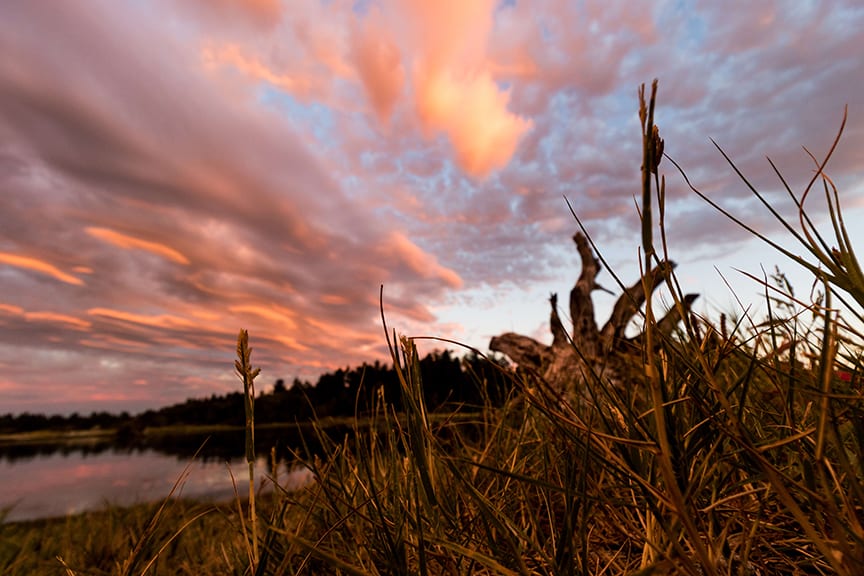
x=58, y=480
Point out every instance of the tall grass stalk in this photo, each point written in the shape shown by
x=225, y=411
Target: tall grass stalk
x=652, y=147
x=243, y=366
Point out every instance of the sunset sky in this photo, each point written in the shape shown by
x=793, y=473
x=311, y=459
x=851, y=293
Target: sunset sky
x=174, y=170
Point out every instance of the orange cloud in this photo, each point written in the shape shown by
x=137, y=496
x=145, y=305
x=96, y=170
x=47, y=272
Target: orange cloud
x=335, y=299
x=10, y=309
x=283, y=318
x=472, y=111
x=59, y=318
x=39, y=266
x=130, y=242
x=340, y=333
x=290, y=342
x=45, y=316
x=454, y=88
x=156, y=321
x=277, y=314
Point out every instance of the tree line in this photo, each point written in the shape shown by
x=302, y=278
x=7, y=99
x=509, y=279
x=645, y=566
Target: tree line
x=448, y=382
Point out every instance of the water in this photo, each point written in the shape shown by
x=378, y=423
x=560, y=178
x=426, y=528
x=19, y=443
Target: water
x=64, y=481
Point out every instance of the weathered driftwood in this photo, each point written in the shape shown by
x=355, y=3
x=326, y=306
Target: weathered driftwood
x=606, y=352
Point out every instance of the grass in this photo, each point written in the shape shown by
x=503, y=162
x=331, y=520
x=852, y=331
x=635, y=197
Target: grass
x=101, y=542
x=736, y=449
x=55, y=436
x=243, y=366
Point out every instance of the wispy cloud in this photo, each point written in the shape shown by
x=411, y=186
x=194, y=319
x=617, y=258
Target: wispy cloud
x=40, y=266
x=126, y=241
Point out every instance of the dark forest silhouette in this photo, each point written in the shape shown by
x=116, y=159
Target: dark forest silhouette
x=448, y=381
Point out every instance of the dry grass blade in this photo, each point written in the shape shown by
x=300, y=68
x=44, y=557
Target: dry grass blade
x=243, y=366
x=134, y=556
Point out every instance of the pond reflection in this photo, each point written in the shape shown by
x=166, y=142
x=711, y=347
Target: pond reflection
x=45, y=481
x=220, y=446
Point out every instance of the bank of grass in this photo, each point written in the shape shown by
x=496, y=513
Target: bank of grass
x=100, y=542
x=735, y=449
x=56, y=436
x=60, y=437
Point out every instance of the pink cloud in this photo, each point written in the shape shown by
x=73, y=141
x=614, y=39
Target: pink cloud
x=264, y=14
x=379, y=65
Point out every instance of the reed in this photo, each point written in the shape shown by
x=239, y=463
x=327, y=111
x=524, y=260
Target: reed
x=244, y=369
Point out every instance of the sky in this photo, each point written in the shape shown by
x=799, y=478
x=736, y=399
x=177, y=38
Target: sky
x=174, y=170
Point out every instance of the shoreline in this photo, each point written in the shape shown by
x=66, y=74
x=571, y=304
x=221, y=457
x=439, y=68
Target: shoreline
x=103, y=434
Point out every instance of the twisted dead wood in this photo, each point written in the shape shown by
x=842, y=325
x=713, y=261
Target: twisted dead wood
x=564, y=364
